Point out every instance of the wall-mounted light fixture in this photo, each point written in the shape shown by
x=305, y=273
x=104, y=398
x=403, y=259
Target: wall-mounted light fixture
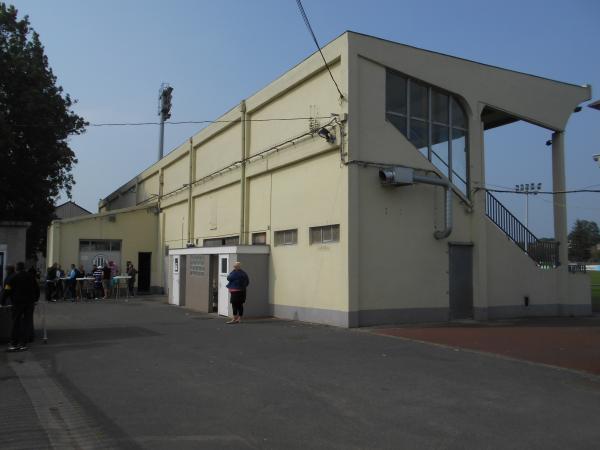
x=327, y=135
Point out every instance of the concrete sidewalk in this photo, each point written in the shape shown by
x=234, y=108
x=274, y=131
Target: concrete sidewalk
x=142, y=374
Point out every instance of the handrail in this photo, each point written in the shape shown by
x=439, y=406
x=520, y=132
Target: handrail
x=544, y=253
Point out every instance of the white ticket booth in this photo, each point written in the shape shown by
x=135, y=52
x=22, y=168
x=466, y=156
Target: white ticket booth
x=199, y=278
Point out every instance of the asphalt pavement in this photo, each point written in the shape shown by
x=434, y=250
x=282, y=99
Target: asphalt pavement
x=143, y=374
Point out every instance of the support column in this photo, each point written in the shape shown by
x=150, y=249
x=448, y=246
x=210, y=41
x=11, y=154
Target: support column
x=479, y=236
x=560, y=219
x=191, y=178
x=160, y=251
x=243, y=233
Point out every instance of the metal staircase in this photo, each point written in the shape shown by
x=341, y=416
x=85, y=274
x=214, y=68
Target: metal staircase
x=543, y=252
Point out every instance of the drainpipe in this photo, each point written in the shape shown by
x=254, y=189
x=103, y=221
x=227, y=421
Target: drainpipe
x=441, y=234
x=405, y=176
x=243, y=238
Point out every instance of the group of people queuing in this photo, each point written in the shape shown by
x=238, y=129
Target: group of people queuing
x=72, y=284
x=21, y=290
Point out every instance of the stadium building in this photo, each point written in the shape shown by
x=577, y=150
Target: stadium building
x=368, y=206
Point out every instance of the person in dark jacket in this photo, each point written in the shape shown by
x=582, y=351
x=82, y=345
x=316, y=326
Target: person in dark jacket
x=238, y=281
x=24, y=293
x=131, y=272
x=106, y=281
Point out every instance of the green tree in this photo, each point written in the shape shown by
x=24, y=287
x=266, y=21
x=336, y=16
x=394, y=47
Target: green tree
x=583, y=236
x=35, y=122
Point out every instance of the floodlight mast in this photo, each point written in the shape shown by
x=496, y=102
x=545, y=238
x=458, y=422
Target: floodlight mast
x=165, y=96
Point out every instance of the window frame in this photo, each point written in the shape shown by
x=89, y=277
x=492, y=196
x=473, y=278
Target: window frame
x=282, y=241
x=452, y=102
x=262, y=234
x=321, y=229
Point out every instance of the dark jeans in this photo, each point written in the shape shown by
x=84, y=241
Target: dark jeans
x=98, y=290
x=71, y=289
x=22, y=324
x=130, y=283
x=237, y=302
x=50, y=289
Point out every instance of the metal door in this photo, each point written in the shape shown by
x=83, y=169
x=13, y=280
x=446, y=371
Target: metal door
x=461, y=281
x=223, y=291
x=144, y=270
x=176, y=288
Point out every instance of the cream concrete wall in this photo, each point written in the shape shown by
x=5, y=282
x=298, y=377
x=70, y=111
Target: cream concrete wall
x=175, y=224
x=124, y=200
x=137, y=229
x=580, y=293
x=315, y=97
x=219, y=151
x=401, y=264
x=259, y=194
x=148, y=188
x=306, y=195
x=176, y=175
x=217, y=213
x=545, y=102
x=512, y=275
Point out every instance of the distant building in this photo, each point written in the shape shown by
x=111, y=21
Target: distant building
x=69, y=210
x=66, y=210
x=13, y=238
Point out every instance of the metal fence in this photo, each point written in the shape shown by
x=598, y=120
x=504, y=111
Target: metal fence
x=543, y=252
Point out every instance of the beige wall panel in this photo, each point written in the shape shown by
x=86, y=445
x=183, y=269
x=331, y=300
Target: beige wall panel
x=219, y=152
x=512, y=275
x=217, y=213
x=138, y=231
x=176, y=175
x=259, y=214
x=148, y=188
x=580, y=289
x=176, y=223
x=312, y=193
x=126, y=200
x=401, y=264
x=315, y=97
x=546, y=101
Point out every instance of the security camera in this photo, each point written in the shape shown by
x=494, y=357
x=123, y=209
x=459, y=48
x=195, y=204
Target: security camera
x=597, y=159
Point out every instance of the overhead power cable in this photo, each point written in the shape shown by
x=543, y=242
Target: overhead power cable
x=572, y=191
x=310, y=30
x=182, y=122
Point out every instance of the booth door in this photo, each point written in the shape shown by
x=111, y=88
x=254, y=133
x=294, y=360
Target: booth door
x=223, y=292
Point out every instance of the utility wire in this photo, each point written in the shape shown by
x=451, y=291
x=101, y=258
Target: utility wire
x=307, y=23
x=572, y=191
x=183, y=122
x=236, y=164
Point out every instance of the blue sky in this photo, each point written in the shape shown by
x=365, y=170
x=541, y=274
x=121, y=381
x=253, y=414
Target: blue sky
x=113, y=55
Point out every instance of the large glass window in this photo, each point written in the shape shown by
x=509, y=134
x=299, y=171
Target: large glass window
x=433, y=121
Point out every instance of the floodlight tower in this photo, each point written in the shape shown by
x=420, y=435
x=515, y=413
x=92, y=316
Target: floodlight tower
x=165, y=96
x=528, y=189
